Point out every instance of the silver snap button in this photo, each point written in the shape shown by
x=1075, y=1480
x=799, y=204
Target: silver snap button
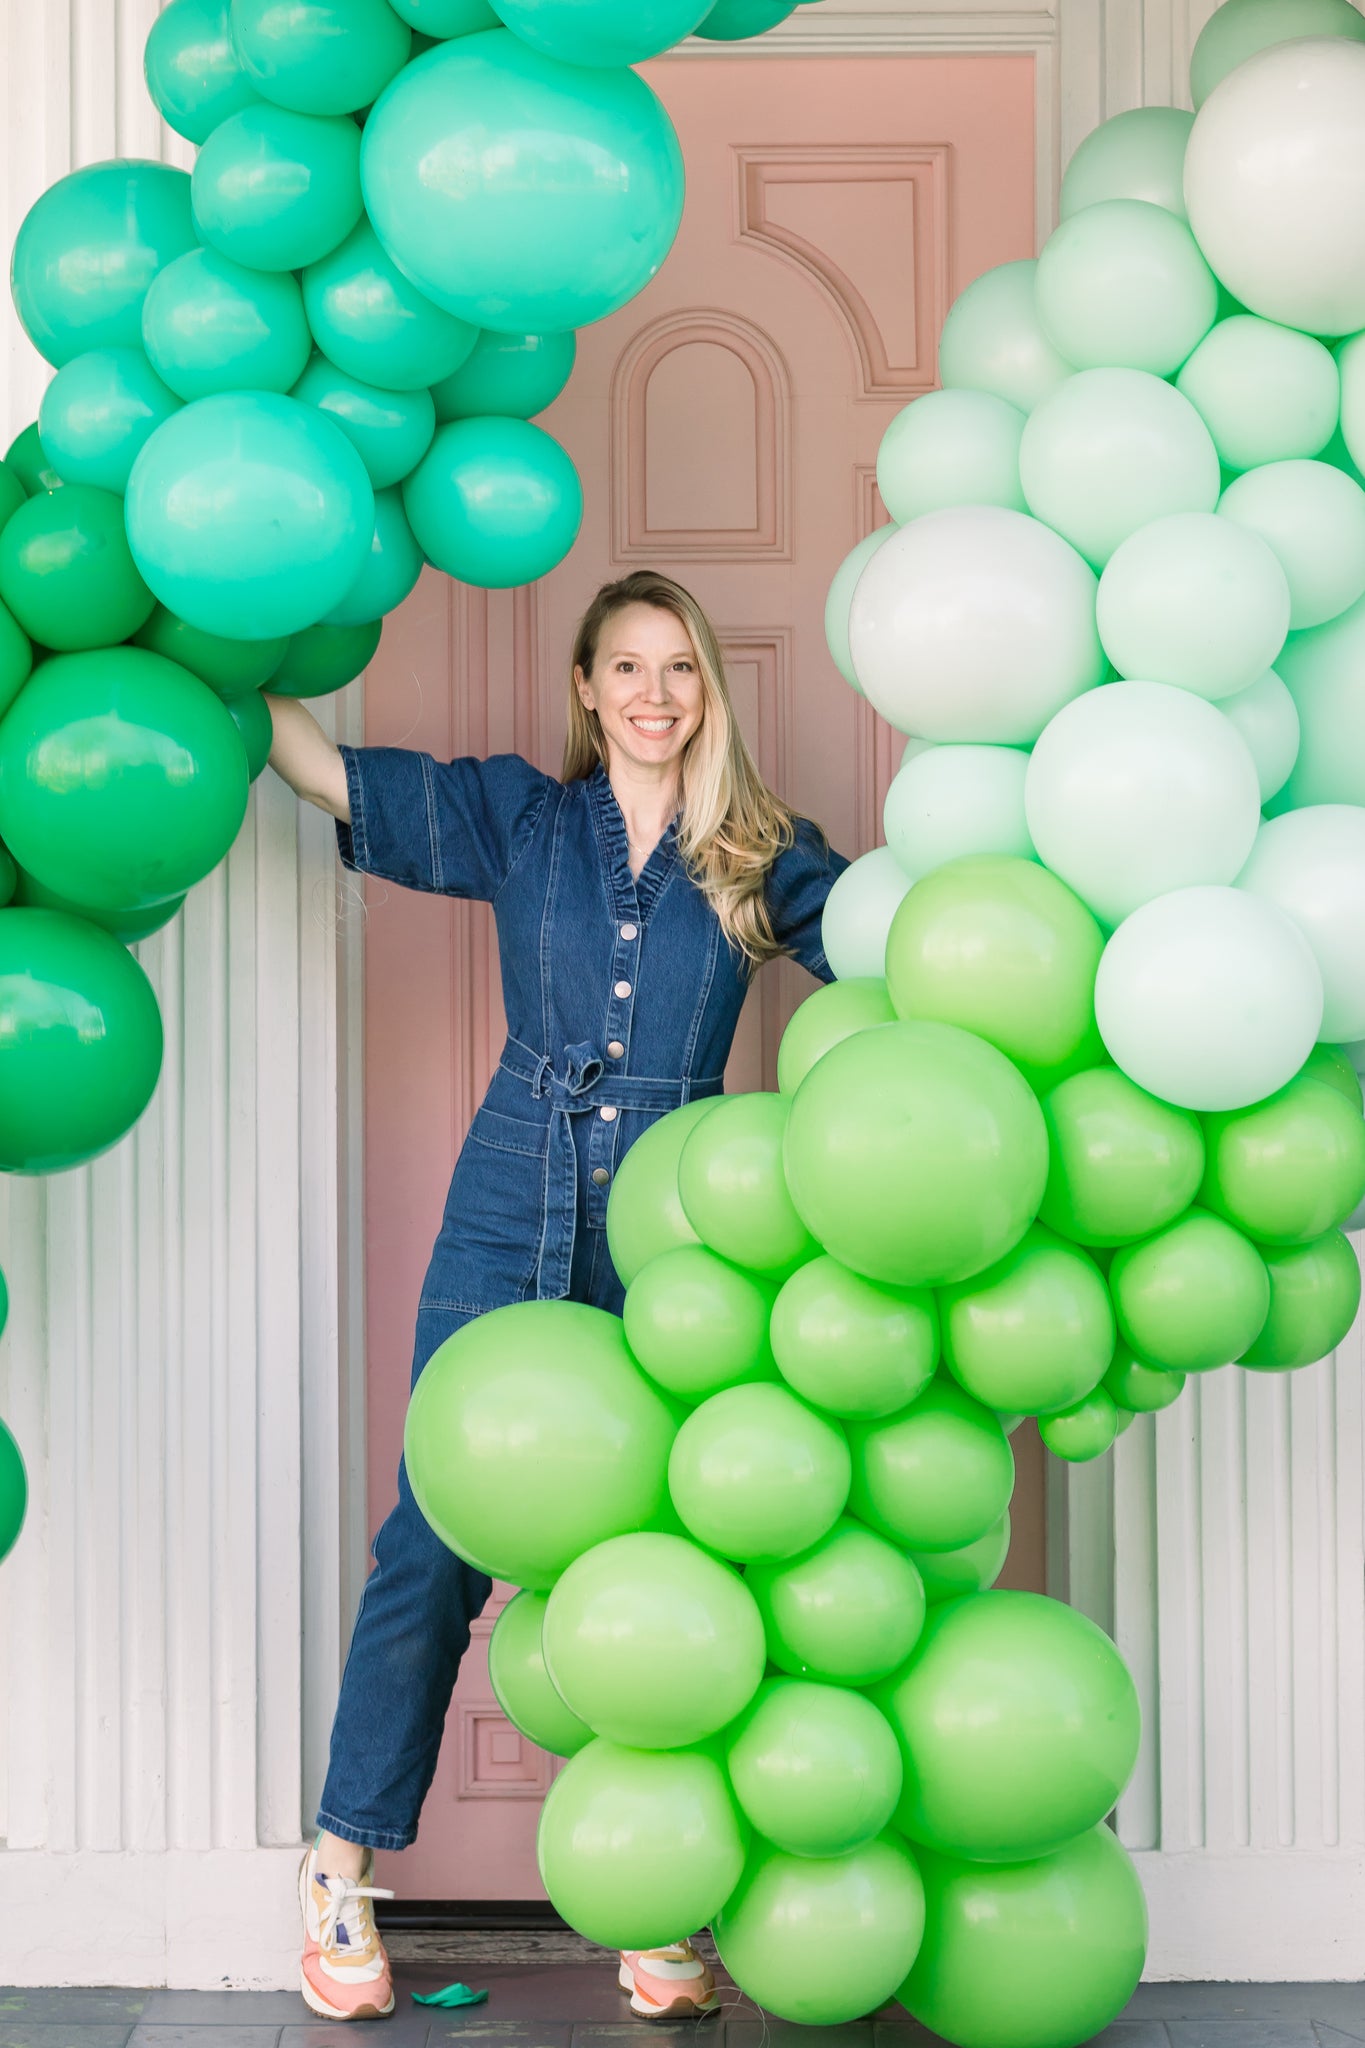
x=630, y=931
x=622, y=989
x=600, y=1176
x=615, y=1050
x=607, y=1114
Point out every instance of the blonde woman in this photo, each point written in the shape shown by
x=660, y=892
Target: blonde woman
x=634, y=898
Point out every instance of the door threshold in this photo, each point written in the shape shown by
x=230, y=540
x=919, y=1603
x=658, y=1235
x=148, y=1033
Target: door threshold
x=467, y=1916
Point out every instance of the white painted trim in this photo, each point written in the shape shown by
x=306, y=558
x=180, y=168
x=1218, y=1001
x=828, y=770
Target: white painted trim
x=1282, y=1916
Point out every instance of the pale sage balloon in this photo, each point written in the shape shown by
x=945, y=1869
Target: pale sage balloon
x=1350, y=359
x=1209, y=998
x=1110, y=451
x=1196, y=601
x=975, y=623
x=841, y=589
x=1264, y=392
x=1313, y=519
x=1137, y=155
x=951, y=448
x=858, y=913
x=1138, y=789
x=1323, y=669
x=1239, y=28
x=1122, y=285
x=1275, y=185
x=1311, y=864
x=955, y=800
x=1268, y=720
x=992, y=339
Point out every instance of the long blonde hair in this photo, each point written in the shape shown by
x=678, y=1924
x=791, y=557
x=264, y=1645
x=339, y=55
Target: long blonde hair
x=732, y=827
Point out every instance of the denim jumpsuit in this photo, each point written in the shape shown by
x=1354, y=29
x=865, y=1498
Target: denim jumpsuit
x=622, y=997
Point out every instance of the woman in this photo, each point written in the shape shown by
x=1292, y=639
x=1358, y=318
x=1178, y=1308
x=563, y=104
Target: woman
x=633, y=900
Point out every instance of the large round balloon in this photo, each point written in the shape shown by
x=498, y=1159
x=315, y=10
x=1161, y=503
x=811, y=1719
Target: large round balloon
x=81, y=1049
x=231, y=668
x=494, y=502
x=194, y=75
x=596, y=32
x=697, y=1324
x=1032, y=1333
x=916, y=1153
x=849, y=1610
x=1312, y=518
x=262, y=486
x=1122, y=1163
x=645, y=1215
x=88, y=249
x=733, y=1189
x=948, y=801
x=16, y=658
x=815, y=1768
x=951, y=448
x=441, y=18
x=523, y=1687
x=1267, y=718
x=1239, y=28
x=511, y=376
x=1137, y=155
x=1288, y=1168
x=99, y=411
x=1194, y=1296
x=975, y=623
x=520, y=193
x=66, y=571
x=163, y=779
x=1264, y=392
x=319, y=56
x=532, y=1435
x=858, y=912
x=993, y=340
x=276, y=190
x=1311, y=863
x=937, y=1475
x=390, y=430
x=832, y=1014
x=1122, y=284
x=372, y=322
x=1314, y=1299
x=1197, y=600
x=13, y=1492
x=852, y=1346
x=754, y=1473
x=390, y=570
x=210, y=324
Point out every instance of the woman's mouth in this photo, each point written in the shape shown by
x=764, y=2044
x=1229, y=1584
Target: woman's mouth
x=656, y=727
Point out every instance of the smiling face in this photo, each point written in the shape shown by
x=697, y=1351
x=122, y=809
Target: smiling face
x=645, y=687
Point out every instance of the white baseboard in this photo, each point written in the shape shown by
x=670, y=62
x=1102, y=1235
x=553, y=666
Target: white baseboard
x=1282, y=1916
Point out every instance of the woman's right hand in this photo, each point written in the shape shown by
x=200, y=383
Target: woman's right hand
x=303, y=756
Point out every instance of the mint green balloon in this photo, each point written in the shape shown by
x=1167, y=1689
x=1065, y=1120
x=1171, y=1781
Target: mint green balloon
x=371, y=321
x=441, y=18
x=494, y=502
x=231, y=668
x=16, y=658
x=645, y=1215
x=1034, y=1332
x=594, y=32
x=325, y=658
x=993, y=339
x=1123, y=1164
x=1321, y=669
x=858, y=913
x=210, y=324
x=1122, y=285
x=391, y=569
x=842, y=586
x=1239, y=29
x=13, y=1492
x=100, y=410
x=390, y=430
x=733, y=1189
x=1136, y=155
x=26, y=458
x=971, y=1568
x=848, y=1610
x=67, y=572
x=1268, y=720
x=754, y=1473
x=698, y=1324
x=1194, y=1296
x=825, y=1019
x=937, y=1475
x=853, y=1347
x=1084, y=1431
x=1314, y=1297
x=1266, y=393
x=193, y=73
x=319, y=56
x=635, y=1845
x=512, y=376
x=1139, y=1388
x=275, y=190
x=951, y=448
x=251, y=716
x=523, y=1687
x=1312, y=518
x=815, y=1769
x=1197, y=601
x=731, y=21
x=956, y=799
x=1290, y=1167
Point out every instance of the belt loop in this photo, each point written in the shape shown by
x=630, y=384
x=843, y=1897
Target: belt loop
x=544, y=1072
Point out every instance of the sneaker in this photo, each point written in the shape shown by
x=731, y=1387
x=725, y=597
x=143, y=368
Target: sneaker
x=668, y=1983
x=345, y=1973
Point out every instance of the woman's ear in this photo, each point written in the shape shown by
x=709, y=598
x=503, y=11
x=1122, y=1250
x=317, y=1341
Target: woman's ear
x=584, y=688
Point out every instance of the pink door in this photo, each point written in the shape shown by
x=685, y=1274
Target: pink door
x=726, y=427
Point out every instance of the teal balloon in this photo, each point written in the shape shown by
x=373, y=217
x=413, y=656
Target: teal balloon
x=372, y=322
x=88, y=249
x=848, y=1610
x=193, y=73
x=1136, y=155
x=128, y=922
x=934, y=1477
x=512, y=376
x=81, y=1049
x=324, y=658
x=523, y=1687
x=256, y=728
x=439, y=19
x=390, y=430
x=13, y=1492
x=596, y=32
x=391, y=569
x=756, y=1474
x=645, y=1215
x=1266, y=393
x=732, y=21
x=971, y=1568
x=210, y=324
x=99, y=412
x=264, y=483
x=231, y=668
x=568, y=197
x=495, y=503
x=276, y=190
x=66, y=571
x=26, y=458
x=824, y=1020
x=162, y=785
x=815, y=1768
x=698, y=1324
x=319, y=56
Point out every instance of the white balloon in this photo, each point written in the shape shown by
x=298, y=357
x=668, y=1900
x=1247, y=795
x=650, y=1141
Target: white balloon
x=1209, y=998
x=975, y=623
x=1311, y=863
x=951, y=448
x=1137, y=789
x=1267, y=718
x=1194, y=600
x=955, y=800
x=1275, y=184
x=992, y=339
x=858, y=913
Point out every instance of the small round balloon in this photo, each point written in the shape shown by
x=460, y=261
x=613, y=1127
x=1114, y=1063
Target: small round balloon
x=1139, y=1388
x=67, y=573
x=1321, y=668
x=1314, y=1300
x=832, y=1014
x=1123, y=1164
x=1034, y=1332
x=937, y=1475
x=756, y=1474
x=1194, y=1296
x=275, y=190
x=645, y=1215
x=1198, y=601
x=193, y=73
x=98, y=413
x=390, y=430
x=1137, y=155
x=993, y=340
x=1264, y=392
x=971, y=1568
x=522, y=1686
x=849, y=1610
x=597, y=32
x=26, y=459
x=857, y=916
x=1268, y=719
x=494, y=502
x=731, y=21
x=1311, y=518
x=371, y=321
x=732, y=1186
x=1288, y=1168
x=14, y=1494
x=210, y=324
x=507, y=376
x=951, y=448
x=851, y=1346
x=1122, y=285
x=319, y=56
x=390, y=570
x=127, y=922
x=949, y=801
x=256, y=728
x=1084, y=1431
x=814, y=1768
x=697, y=1324
x=231, y=668
x=16, y=658
x=325, y=658
x=840, y=599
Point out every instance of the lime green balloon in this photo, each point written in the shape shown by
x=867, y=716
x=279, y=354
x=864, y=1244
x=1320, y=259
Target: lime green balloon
x=1137, y=155
x=755, y=1473
x=28, y=460
x=1266, y=393
x=854, y=1347
x=832, y=1014
x=698, y=1324
x=593, y=32
x=161, y=788
x=523, y=1687
x=1084, y=1431
x=16, y=658
x=81, y=1049
x=389, y=430
x=276, y=190
x=325, y=658
x=732, y=21
x=532, y=1435
x=193, y=73
x=937, y=1475
x=1288, y=1168
x=211, y=324
x=509, y=376
x=1314, y=1297
x=1031, y=1955
x=1139, y=1388
x=971, y=1568
x=840, y=600
x=1123, y=1164
x=128, y=922
x=372, y=322
x=319, y=56
x=1331, y=1065
x=849, y=1609
x=1002, y=948
x=645, y=1214
x=67, y=572
x=732, y=1187
x=635, y=1845
x=13, y=1492
x=231, y=668
x=1122, y=285
x=951, y=448
x=1193, y=1297
x=1032, y=1333
x=814, y=1768
x=494, y=502
x=256, y=728
x=1239, y=29
x=1018, y=1724
x=99, y=412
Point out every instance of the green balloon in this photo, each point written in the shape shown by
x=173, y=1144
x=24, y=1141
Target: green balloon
x=522, y=1686
x=849, y=1610
x=494, y=502
x=868, y=1908
x=1266, y=393
x=1031, y=1955
x=915, y=1153
x=731, y=21
x=1122, y=285
x=645, y=1214
x=507, y=376
x=1137, y=155
x=698, y=1324
x=99, y=412
x=1018, y=1724
x=81, y=1049
x=193, y=73
x=27, y=458
x=1123, y=1164
x=13, y=1492
x=1002, y=948
x=652, y=1643
x=1139, y=1388
x=1084, y=1431
x=815, y=1769
x=372, y=322
x=251, y=716
x=832, y=1014
x=971, y=1568
x=162, y=786
x=755, y=1473
x=67, y=572
x=16, y=658
x=231, y=668
x=1238, y=30
x=12, y=492
x=325, y=658
x=937, y=1475
x=210, y=324
x=275, y=190
x=319, y=56
x=1331, y=1065
x=389, y=572
x=441, y=18
x=732, y=1187
x=635, y=1845
x=593, y=32
x=9, y=882
x=532, y=1435
x=1193, y=1297
x=1314, y=1296
x=852, y=1346
x=128, y=922
x=1032, y=1333
x=1288, y=1168
x=389, y=430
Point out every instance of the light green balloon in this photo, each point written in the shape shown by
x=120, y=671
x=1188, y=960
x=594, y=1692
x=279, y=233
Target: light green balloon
x=858, y=913
x=993, y=339
x=209, y=324
x=1197, y=601
x=1350, y=363
x=645, y=1215
x=1314, y=1298
x=937, y=1475
x=1266, y=393
x=1137, y=1387
x=1312, y=517
x=732, y=1187
x=814, y=1768
x=957, y=799
x=1123, y=1164
x=523, y=1687
x=971, y=1568
x=1193, y=1296
x=1034, y=1332
x=1288, y=1168
x=372, y=322
x=840, y=599
x=276, y=190
x=698, y=1324
x=1122, y=284
x=754, y=1473
x=390, y=430
x=1137, y=155
x=1239, y=28
x=832, y=1014
x=319, y=56
x=13, y=1493
x=1321, y=669
x=851, y=1346
x=849, y=1609
x=951, y=448
x=1084, y=1431
x=1267, y=718
x=1331, y=1064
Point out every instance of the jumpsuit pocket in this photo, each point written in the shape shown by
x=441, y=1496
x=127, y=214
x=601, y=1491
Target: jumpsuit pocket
x=489, y=1247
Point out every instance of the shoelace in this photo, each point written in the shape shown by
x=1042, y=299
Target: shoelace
x=337, y=1908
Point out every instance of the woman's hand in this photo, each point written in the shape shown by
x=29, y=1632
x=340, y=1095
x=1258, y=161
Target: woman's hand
x=304, y=757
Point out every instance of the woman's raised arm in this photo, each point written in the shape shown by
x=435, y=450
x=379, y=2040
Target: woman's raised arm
x=304, y=757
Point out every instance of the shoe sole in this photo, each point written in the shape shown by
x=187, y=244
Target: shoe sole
x=317, y=2003
x=680, y=2009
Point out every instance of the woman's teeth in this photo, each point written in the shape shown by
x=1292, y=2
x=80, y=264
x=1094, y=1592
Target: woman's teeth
x=654, y=724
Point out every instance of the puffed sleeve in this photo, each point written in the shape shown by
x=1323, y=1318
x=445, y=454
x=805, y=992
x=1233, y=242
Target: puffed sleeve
x=454, y=828
x=802, y=877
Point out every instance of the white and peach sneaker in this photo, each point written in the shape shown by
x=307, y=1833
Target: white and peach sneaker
x=669, y=1983
x=344, y=1974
